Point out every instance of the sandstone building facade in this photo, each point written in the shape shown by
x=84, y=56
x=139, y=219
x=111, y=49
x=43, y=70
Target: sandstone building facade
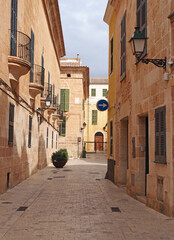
x=74, y=91
x=31, y=45
x=96, y=121
x=141, y=121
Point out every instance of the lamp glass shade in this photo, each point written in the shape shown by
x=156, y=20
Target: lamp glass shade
x=47, y=102
x=139, y=45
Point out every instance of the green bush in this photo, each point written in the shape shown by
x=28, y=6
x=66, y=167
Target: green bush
x=62, y=154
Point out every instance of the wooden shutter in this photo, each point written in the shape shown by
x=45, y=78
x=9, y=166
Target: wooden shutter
x=30, y=130
x=123, y=47
x=142, y=19
x=64, y=100
x=160, y=135
x=52, y=138
x=111, y=138
x=32, y=56
x=94, y=117
x=133, y=148
x=93, y=92
x=83, y=104
x=11, y=124
x=13, y=40
x=112, y=51
x=47, y=137
x=63, y=127
x=105, y=92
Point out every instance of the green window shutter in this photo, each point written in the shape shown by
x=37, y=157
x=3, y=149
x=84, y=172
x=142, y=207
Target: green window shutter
x=105, y=92
x=64, y=100
x=63, y=127
x=94, y=117
x=93, y=92
x=83, y=104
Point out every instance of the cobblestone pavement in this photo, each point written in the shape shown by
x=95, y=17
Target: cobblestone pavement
x=74, y=203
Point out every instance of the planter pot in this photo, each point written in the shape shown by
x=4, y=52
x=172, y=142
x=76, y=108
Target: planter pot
x=59, y=163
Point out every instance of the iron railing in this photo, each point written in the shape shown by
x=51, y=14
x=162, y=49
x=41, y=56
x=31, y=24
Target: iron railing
x=38, y=74
x=47, y=90
x=20, y=45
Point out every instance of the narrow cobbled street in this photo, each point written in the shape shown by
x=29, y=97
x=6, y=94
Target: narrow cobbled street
x=77, y=203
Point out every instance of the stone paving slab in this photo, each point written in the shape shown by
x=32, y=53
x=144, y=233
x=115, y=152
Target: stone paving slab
x=74, y=203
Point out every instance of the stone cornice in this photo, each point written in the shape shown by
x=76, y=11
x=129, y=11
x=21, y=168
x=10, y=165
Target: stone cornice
x=108, y=12
x=54, y=22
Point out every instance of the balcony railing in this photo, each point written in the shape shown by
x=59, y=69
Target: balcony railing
x=47, y=90
x=20, y=45
x=38, y=74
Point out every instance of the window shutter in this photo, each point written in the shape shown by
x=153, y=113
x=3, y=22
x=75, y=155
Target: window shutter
x=32, y=56
x=123, y=47
x=11, y=124
x=47, y=137
x=43, y=72
x=94, y=117
x=112, y=48
x=64, y=100
x=30, y=130
x=13, y=40
x=160, y=135
x=142, y=19
x=83, y=104
x=63, y=127
x=133, y=148
x=105, y=92
x=93, y=92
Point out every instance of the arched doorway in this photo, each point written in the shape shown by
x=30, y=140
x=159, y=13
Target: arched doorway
x=98, y=141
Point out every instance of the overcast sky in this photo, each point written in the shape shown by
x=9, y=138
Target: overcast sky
x=86, y=34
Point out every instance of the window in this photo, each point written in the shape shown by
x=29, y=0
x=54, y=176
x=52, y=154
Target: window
x=93, y=92
x=94, y=117
x=56, y=141
x=64, y=100
x=63, y=127
x=160, y=135
x=68, y=75
x=83, y=104
x=105, y=92
x=13, y=38
x=52, y=139
x=32, y=56
x=142, y=19
x=112, y=57
x=123, y=47
x=11, y=124
x=43, y=73
x=47, y=138
x=111, y=138
x=30, y=130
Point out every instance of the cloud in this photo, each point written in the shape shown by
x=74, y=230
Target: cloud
x=85, y=33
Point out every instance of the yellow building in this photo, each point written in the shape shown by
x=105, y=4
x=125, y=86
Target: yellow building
x=143, y=100
x=95, y=132
x=31, y=44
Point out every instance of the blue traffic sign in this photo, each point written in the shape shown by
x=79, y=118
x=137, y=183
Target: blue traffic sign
x=102, y=105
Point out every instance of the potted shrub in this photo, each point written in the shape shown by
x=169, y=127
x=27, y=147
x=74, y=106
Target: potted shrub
x=60, y=158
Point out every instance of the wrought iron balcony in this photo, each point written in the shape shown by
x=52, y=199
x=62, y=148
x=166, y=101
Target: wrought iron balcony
x=19, y=56
x=36, y=85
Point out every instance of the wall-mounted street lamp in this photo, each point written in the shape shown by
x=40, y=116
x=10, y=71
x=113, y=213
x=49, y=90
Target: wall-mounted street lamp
x=138, y=43
x=47, y=103
x=84, y=125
